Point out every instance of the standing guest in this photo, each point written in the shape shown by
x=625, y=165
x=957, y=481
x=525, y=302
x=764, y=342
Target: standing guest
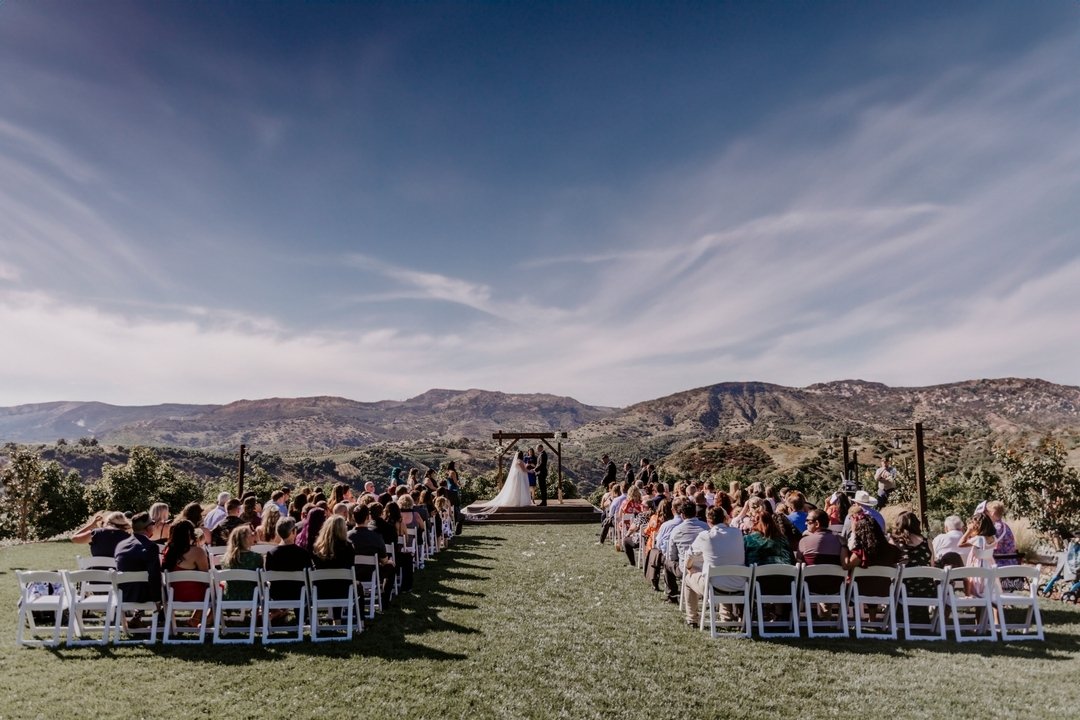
x=820, y=546
x=159, y=523
x=240, y=556
x=654, y=476
x=721, y=544
x=947, y=550
x=981, y=537
x=610, y=471
x=628, y=474
x=218, y=513
x=104, y=532
x=139, y=553
x=886, y=481
x=678, y=547
x=267, y=531
x=286, y=557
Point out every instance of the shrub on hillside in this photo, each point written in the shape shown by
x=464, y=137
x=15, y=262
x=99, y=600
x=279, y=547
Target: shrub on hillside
x=142, y=481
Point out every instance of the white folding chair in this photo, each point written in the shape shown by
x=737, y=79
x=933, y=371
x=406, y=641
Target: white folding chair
x=1027, y=599
x=934, y=605
x=41, y=591
x=391, y=550
x=90, y=609
x=248, y=607
x=866, y=594
x=176, y=634
x=327, y=604
x=216, y=553
x=298, y=605
x=96, y=563
x=786, y=576
x=432, y=538
x=263, y=548
x=714, y=598
x=372, y=588
x=825, y=585
x=980, y=621
x=411, y=545
x=129, y=631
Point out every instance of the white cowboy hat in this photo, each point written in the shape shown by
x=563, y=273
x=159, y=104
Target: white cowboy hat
x=863, y=498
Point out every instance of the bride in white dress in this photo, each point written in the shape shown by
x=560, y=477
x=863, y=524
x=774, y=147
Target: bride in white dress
x=515, y=491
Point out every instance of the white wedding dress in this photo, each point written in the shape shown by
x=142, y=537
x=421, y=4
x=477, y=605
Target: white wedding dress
x=515, y=491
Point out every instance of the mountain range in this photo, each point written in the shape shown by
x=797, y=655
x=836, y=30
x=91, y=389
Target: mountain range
x=725, y=411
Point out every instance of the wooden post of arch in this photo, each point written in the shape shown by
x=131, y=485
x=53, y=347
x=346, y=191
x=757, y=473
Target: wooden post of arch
x=514, y=437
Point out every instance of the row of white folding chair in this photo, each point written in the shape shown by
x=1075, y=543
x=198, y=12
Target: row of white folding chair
x=896, y=595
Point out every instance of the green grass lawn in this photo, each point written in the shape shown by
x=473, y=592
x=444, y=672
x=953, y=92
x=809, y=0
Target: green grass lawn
x=535, y=622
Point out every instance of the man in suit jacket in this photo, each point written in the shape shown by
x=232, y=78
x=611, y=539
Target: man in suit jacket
x=542, y=472
x=138, y=553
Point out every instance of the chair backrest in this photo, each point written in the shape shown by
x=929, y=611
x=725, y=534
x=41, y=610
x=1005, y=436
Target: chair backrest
x=330, y=574
x=824, y=579
x=924, y=573
x=237, y=575
x=875, y=581
x=745, y=574
x=94, y=562
x=263, y=548
x=28, y=579
x=270, y=576
x=129, y=577
x=956, y=574
x=1020, y=572
x=776, y=579
x=197, y=576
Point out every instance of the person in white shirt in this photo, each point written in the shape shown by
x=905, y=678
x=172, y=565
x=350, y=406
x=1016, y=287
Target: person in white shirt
x=720, y=545
x=218, y=513
x=949, y=541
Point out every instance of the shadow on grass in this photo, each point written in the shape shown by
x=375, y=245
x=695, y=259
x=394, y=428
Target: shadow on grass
x=390, y=636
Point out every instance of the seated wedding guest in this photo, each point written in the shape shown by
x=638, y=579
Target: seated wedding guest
x=980, y=537
x=633, y=537
x=366, y=541
x=791, y=534
x=249, y=513
x=218, y=513
x=183, y=553
x=444, y=510
x=864, y=504
x=734, y=488
x=296, y=508
x=286, y=557
x=797, y=504
x=333, y=551
x=392, y=516
x=342, y=510
x=724, y=500
x=701, y=504
x=240, y=556
x=613, y=512
x=870, y=547
x=948, y=543
x=710, y=493
x=219, y=536
x=193, y=513
x=138, y=553
x=159, y=523
x=313, y=525
x=410, y=515
x=629, y=509
x=654, y=558
x=820, y=546
x=772, y=496
x=104, y=532
x=267, y=532
x=678, y=547
x=915, y=552
x=837, y=507
x=721, y=544
x=765, y=544
x=277, y=500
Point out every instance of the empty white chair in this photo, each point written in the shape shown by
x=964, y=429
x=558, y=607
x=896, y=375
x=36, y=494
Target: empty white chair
x=371, y=588
x=777, y=585
x=40, y=591
x=247, y=607
x=825, y=585
x=133, y=630
x=326, y=588
x=871, y=588
x=90, y=611
x=714, y=598
x=176, y=601
x=289, y=584
x=1026, y=599
x=934, y=628
x=970, y=589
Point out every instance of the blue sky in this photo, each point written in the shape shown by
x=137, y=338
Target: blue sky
x=201, y=202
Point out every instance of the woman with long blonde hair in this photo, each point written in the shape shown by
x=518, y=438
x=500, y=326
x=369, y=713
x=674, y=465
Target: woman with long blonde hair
x=267, y=531
x=240, y=556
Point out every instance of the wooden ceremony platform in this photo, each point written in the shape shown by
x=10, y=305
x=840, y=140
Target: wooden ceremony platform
x=570, y=511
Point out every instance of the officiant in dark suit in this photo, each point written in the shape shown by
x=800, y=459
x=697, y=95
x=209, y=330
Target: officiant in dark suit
x=542, y=472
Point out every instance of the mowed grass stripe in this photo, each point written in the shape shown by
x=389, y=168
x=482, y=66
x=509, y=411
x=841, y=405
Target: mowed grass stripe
x=534, y=622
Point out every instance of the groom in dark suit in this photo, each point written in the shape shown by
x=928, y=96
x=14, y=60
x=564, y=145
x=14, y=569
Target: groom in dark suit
x=542, y=472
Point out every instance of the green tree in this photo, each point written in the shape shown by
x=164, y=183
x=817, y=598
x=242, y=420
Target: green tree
x=62, y=503
x=20, y=481
x=1042, y=488
x=142, y=481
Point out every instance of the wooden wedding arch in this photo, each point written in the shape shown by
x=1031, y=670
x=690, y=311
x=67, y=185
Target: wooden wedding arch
x=513, y=438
